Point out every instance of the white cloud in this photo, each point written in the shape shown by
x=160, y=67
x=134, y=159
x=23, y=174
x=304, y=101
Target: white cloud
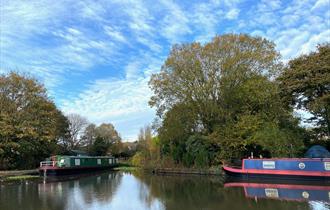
x=36, y=37
x=175, y=24
x=91, y=10
x=116, y=101
x=232, y=14
x=115, y=34
x=140, y=18
x=314, y=40
x=123, y=102
x=325, y=4
x=295, y=28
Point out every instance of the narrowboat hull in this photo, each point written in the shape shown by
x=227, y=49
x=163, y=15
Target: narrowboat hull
x=270, y=176
x=52, y=171
x=296, y=169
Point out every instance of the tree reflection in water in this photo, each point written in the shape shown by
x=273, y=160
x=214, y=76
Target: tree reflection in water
x=60, y=194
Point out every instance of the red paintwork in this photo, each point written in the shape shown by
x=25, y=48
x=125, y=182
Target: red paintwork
x=285, y=186
x=278, y=172
x=65, y=168
x=295, y=159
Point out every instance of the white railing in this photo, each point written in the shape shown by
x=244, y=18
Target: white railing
x=48, y=163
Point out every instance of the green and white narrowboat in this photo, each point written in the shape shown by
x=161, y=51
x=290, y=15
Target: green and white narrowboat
x=66, y=165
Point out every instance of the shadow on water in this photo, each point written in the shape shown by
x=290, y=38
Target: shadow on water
x=140, y=191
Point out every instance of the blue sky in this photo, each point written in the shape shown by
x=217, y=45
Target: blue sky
x=96, y=57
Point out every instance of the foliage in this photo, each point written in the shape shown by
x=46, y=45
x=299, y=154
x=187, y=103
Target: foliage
x=100, y=147
x=77, y=124
x=305, y=84
x=89, y=136
x=30, y=123
x=197, y=151
x=148, y=147
x=138, y=159
x=201, y=77
x=107, y=133
x=219, y=100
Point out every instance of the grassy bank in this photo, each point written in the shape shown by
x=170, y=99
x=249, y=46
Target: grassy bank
x=18, y=172
x=19, y=178
x=126, y=168
x=207, y=171
x=18, y=175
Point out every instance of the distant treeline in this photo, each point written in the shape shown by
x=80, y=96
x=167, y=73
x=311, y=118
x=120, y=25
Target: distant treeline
x=218, y=102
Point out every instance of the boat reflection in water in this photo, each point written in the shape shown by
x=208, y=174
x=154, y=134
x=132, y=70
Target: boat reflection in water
x=316, y=194
x=284, y=191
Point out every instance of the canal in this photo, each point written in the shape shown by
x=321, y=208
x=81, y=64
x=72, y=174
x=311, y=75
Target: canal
x=140, y=191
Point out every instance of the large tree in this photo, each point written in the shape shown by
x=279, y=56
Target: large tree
x=89, y=136
x=199, y=75
x=77, y=125
x=105, y=133
x=225, y=90
x=108, y=132
x=30, y=123
x=306, y=85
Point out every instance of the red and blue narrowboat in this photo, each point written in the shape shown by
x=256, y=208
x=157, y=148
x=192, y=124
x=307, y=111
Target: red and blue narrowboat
x=67, y=165
x=296, y=168
x=315, y=166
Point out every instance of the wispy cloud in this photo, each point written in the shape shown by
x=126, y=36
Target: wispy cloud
x=232, y=14
x=114, y=33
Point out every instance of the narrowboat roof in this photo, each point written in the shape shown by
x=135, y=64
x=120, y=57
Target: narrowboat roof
x=290, y=159
x=317, y=151
x=84, y=156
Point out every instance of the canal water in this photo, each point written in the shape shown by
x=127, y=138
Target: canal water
x=140, y=191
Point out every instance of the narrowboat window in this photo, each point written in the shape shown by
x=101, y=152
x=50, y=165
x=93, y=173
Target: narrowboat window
x=327, y=166
x=110, y=161
x=268, y=164
x=271, y=192
x=99, y=161
x=62, y=161
x=77, y=162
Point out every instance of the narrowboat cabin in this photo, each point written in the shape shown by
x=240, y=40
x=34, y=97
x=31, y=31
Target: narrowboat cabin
x=65, y=165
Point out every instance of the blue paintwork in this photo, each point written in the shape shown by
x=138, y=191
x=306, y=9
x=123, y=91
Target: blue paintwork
x=287, y=164
x=290, y=194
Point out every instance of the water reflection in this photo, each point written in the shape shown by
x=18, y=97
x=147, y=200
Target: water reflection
x=318, y=194
x=200, y=192
x=139, y=191
x=73, y=194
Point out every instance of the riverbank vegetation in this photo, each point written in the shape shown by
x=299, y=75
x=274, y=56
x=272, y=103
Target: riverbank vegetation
x=216, y=102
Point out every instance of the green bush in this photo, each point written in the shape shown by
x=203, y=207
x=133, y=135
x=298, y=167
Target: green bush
x=138, y=159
